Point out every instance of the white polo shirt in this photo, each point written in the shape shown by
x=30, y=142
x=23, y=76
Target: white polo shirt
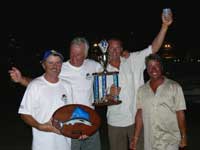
x=130, y=79
x=40, y=100
x=81, y=80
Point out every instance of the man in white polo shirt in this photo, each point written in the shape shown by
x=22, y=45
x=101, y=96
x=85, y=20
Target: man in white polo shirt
x=43, y=96
x=78, y=71
x=121, y=118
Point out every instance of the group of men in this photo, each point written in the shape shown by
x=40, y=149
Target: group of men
x=73, y=79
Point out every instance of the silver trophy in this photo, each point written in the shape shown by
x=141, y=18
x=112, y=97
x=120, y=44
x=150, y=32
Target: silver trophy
x=103, y=45
x=101, y=96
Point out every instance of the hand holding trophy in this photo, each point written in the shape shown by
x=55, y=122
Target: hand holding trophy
x=101, y=96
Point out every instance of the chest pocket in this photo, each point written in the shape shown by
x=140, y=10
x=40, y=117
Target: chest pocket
x=167, y=100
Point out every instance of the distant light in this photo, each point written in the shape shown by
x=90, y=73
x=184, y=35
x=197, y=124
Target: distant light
x=95, y=44
x=167, y=46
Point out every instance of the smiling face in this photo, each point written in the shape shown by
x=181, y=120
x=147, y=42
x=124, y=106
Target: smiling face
x=114, y=49
x=154, y=69
x=77, y=54
x=52, y=66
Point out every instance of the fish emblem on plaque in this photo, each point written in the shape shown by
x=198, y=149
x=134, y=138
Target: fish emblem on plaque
x=100, y=87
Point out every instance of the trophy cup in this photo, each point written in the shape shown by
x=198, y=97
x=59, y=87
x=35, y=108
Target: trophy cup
x=101, y=96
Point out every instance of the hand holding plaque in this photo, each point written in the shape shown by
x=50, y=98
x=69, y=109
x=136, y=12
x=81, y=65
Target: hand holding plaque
x=100, y=87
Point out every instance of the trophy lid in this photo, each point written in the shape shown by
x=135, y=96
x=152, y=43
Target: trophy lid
x=103, y=46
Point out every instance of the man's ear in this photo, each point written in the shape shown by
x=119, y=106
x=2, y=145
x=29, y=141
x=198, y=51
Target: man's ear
x=43, y=66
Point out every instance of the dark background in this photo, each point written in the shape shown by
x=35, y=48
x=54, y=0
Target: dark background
x=33, y=27
x=36, y=27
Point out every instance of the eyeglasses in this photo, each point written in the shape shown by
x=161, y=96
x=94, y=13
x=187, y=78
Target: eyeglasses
x=115, y=48
x=54, y=63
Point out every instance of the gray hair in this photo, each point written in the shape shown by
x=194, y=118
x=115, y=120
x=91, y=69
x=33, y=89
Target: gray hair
x=79, y=41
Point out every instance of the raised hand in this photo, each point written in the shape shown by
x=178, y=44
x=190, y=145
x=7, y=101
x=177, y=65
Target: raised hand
x=15, y=75
x=167, y=19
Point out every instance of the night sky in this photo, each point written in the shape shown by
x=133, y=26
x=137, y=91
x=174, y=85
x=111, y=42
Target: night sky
x=38, y=28
x=44, y=26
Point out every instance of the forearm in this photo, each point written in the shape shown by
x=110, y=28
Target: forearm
x=181, y=122
x=137, y=129
x=46, y=127
x=138, y=124
x=158, y=41
x=25, y=81
x=28, y=119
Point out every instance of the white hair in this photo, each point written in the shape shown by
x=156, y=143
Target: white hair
x=81, y=40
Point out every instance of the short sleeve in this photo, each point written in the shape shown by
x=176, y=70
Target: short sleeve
x=179, y=98
x=138, y=99
x=29, y=101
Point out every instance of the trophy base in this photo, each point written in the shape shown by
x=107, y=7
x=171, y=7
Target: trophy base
x=106, y=102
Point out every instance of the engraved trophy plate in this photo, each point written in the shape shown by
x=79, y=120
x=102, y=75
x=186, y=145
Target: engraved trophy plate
x=101, y=96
